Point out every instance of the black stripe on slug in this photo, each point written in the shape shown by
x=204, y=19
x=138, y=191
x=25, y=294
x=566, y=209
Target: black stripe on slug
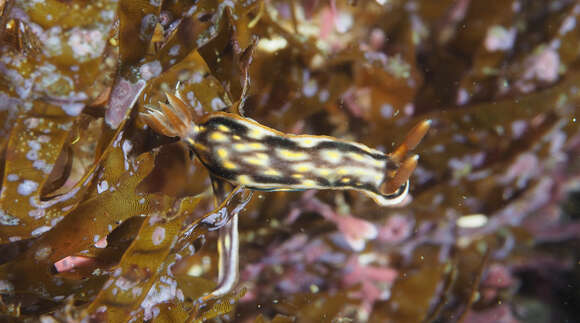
x=324, y=182
x=261, y=179
x=280, y=142
x=236, y=127
x=347, y=147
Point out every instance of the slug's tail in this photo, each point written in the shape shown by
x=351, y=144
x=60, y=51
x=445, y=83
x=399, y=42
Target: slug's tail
x=406, y=166
x=173, y=120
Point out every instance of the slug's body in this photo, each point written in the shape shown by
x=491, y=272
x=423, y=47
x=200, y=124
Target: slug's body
x=244, y=152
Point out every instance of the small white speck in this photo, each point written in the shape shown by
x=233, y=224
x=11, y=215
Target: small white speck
x=127, y=146
x=12, y=177
x=32, y=123
x=471, y=221
x=499, y=38
x=86, y=43
x=32, y=155
x=40, y=164
x=568, y=25
x=72, y=109
x=310, y=88
x=343, y=22
x=387, y=111
x=174, y=50
x=40, y=230
x=271, y=45
x=323, y=95
x=217, y=104
x=42, y=253
x=34, y=144
x=43, y=138
x=102, y=186
x=196, y=78
x=27, y=187
x=409, y=109
x=36, y=213
x=158, y=236
x=462, y=96
x=151, y=70
x=8, y=220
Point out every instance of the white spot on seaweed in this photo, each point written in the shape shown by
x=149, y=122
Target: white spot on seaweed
x=36, y=213
x=217, y=104
x=27, y=187
x=102, y=186
x=32, y=155
x=42, y=253
x=72, y=109
x=150, y=70
x=158, y=236
x=499, y=38
x=8, y=220
x=40, y=230
x=127, y=146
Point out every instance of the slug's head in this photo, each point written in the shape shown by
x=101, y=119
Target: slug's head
x=173, y=120
x=396, y=186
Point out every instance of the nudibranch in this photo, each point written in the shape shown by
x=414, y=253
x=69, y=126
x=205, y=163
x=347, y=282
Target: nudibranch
x=246, y=153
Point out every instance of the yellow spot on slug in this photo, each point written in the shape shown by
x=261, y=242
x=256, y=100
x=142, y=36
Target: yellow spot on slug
x=256, y=161
x=342, y=171
x=245, y=147
x=331, y=156
x=356, y=157
x=244, y=179
x=378, y=163
x=241, y=147
x=257, y=146
x=297, y=175
x=256, y=133
x=218, y=136
x=307, y=142
x=292, y=155
x=309, y=182
x=229, y=165
x=236, y=137
x=345, y=180
x=323, y=171
x=262, y=156
x=303, y=167
x=222, y=153
x=223, y=128
x=271, y=172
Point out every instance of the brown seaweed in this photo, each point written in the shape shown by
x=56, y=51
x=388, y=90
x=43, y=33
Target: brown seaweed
x=103, y=218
